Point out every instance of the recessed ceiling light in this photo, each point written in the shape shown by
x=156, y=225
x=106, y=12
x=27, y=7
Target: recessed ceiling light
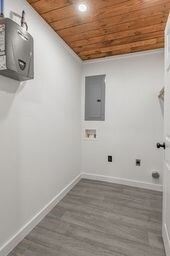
x=82, y=7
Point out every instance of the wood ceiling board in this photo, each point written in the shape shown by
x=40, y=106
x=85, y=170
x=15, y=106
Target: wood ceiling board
x=118, y=35
x=110, y=27
x=81, y=32
x=123, y=49
x=43, y=6
x=32, y=1
x=126, y=40
x=117, y=19
x=69, y=12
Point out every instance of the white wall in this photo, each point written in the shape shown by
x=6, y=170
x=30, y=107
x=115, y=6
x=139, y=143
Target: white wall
x=134, y=121
x=39, y=127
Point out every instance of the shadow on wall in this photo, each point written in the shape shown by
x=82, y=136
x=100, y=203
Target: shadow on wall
x=8, y=90
x=161, y=102
x=10, y=157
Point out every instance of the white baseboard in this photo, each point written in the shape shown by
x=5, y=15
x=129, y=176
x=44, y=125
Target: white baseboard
x=26, y=229
x=166, y=239
x=128, y=182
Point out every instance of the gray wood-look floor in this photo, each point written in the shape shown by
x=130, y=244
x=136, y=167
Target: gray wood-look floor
x=99, y=219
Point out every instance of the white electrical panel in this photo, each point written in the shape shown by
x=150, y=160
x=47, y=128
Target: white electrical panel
x=95, y=98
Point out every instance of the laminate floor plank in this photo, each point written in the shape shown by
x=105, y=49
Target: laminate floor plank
x=99, y=219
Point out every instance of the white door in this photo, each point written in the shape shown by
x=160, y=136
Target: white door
x=166, y=194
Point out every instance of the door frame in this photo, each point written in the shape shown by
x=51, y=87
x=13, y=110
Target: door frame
x=165, y=234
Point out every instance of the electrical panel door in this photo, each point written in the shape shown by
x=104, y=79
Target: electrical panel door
x=95, y=98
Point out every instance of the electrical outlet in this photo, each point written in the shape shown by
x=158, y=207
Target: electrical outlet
x=109, y=158
x=138, y=162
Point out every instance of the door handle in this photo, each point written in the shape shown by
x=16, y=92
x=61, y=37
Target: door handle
x=161, y=145
x=98, y=100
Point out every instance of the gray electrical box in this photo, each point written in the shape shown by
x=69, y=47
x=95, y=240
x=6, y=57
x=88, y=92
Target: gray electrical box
x=95, y=98
x=16, y=51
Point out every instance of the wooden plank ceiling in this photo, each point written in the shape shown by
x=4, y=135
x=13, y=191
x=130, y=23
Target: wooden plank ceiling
x=109, y=27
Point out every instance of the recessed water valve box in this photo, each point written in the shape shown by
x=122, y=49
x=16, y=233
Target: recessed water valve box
x=16, y=51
